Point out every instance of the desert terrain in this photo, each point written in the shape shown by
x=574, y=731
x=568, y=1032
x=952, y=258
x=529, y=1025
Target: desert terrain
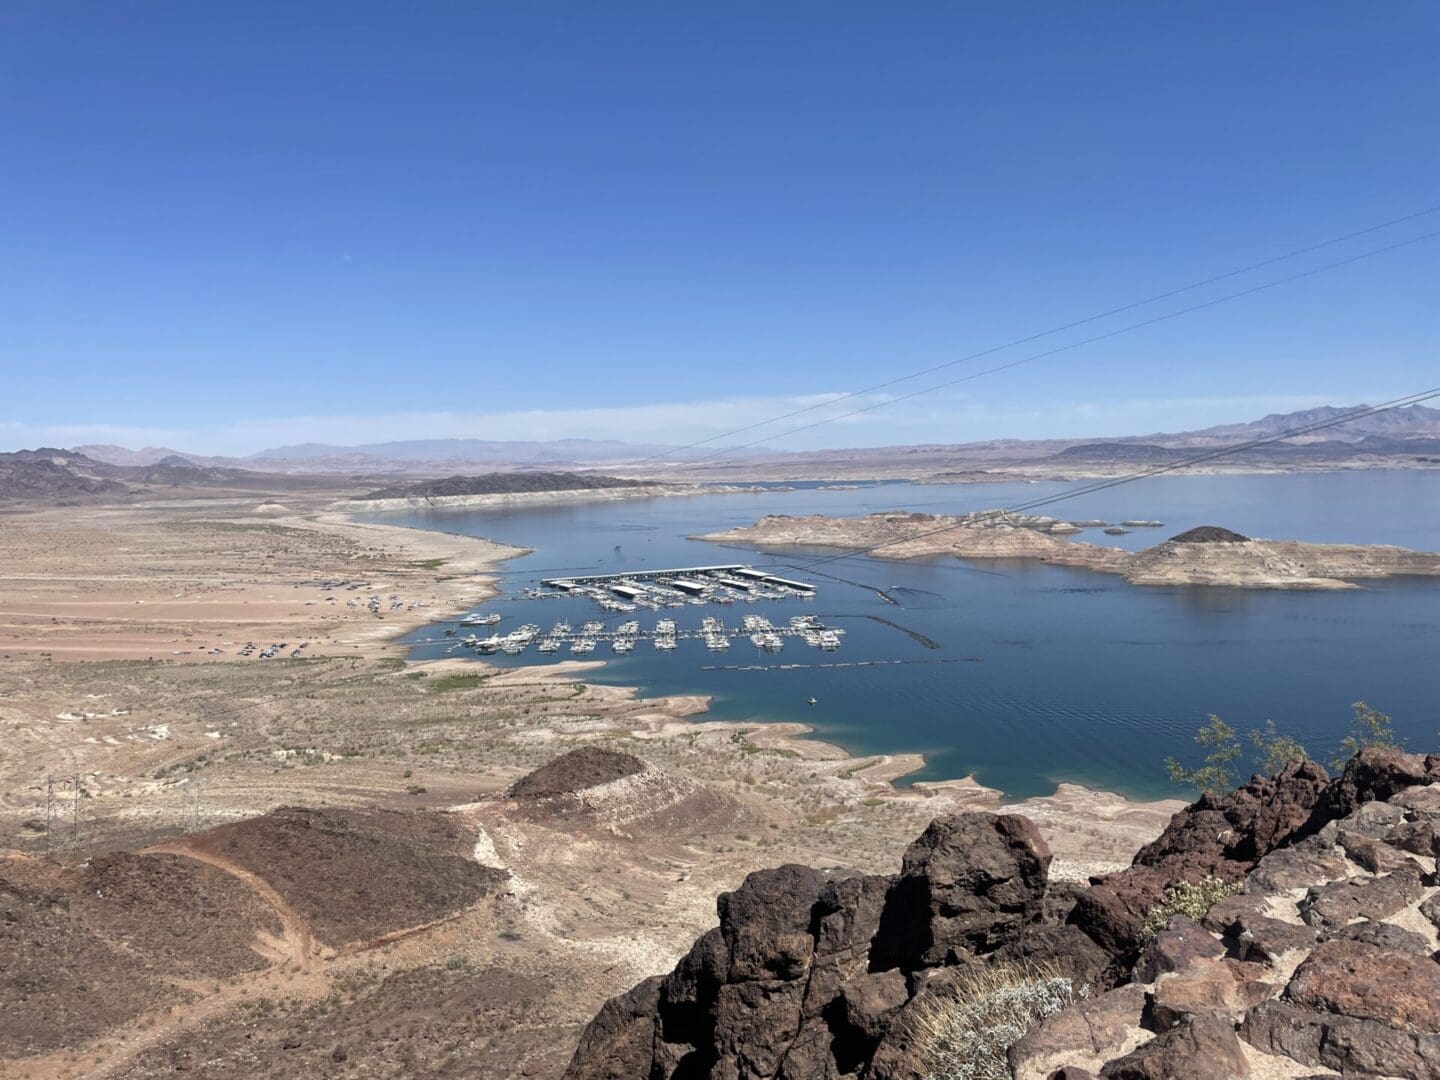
x=332, y=863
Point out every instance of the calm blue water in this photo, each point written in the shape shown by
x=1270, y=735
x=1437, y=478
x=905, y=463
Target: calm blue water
x=1077, y=676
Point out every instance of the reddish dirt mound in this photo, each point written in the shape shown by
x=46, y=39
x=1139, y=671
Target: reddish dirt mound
x=88, y=948
x=1209, y=534
x=356, y=875
x=584, y=768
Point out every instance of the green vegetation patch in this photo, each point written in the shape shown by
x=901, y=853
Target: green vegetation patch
x=1194, y=901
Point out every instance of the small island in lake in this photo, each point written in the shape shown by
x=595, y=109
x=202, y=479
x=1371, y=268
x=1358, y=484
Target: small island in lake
x=1208, y=555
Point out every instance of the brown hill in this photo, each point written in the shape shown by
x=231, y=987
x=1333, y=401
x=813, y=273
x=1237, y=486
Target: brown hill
x=51, y=474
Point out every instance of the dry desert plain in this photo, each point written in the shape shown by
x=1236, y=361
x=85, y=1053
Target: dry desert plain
x=345, y=938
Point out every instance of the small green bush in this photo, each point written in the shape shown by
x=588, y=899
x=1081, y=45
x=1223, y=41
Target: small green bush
x=1194, y=901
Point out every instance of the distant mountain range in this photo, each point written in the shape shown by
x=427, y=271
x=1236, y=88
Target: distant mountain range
x=1398, y=431
x=417, y=456
x=1403, y=423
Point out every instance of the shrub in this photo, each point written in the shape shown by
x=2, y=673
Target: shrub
x=1194, y=901
x=1218, y=772
x=1274, y=750
x=968, y=1037
x=1372, y=728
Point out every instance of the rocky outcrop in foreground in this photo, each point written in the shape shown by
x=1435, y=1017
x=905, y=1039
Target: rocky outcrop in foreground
x=1286, y=929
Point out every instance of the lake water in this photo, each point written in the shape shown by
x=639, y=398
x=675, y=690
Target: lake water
x=1049, y=674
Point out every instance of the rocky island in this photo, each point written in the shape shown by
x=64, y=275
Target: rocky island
x=1208, y=555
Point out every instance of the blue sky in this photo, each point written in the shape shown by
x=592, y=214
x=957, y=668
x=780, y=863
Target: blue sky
x=225, y=226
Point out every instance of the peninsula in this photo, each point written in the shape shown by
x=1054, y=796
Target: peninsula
x=1208, y=555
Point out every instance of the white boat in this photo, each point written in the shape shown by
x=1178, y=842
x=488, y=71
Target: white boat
x=480, y=620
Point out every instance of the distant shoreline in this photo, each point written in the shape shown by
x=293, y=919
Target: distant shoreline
x=532, y=498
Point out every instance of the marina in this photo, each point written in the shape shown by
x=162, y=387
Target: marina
x=632, y=590
x=1099, y=679
x=713, y=633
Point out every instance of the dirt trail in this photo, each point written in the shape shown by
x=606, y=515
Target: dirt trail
x=295, y=969
x=296, y=936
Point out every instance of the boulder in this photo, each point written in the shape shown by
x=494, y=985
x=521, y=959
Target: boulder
x=967, y=886
x=1175, y=947
x=1226, y=988
x=1431, y=909
x=618, y=1043
x=1243, y=825
x=1373, y=855
x=1416, y=837
x=1342, y=902
x=1368, y=982
x=766, y=923
x=1384, y=935
x=1221, y=836
x=1348, y=1045
x=1310, y=862
x=1375, y=773
x=1086, y=1030
x=1202, y=1048
x=1066, y=949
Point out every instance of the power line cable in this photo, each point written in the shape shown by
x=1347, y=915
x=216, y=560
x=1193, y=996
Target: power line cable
x=1157, y=297
x=1128, y=328
x=1154, y=470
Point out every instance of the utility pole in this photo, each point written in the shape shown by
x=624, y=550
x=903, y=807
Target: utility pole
x=75, y=815
x=49, y=814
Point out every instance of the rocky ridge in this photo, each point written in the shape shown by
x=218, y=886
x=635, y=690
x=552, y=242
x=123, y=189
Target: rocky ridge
x=1313, y=953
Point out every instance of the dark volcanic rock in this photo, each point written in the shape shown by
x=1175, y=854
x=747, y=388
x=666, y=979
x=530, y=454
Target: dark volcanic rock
x=1376, y=773
x=1353, y=1047
x=1373, y=855
x=788, y=986
x=1203, y=1048
x=1206, y=985
x=1221, y=836
x=1178, y=945
x=1086, y=1028
x=1253, y=935
x=1242, y=826
x=1210, y=534
x=969, y=884
x=1384, y=935
x=584, y=768
x=1416, y=837
x=618, y=1043
x=1352, y=978
x=809, y=977
x=766, y=923
x=1342, y=902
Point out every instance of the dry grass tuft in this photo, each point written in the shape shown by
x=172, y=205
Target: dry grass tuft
x=969, y=1036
